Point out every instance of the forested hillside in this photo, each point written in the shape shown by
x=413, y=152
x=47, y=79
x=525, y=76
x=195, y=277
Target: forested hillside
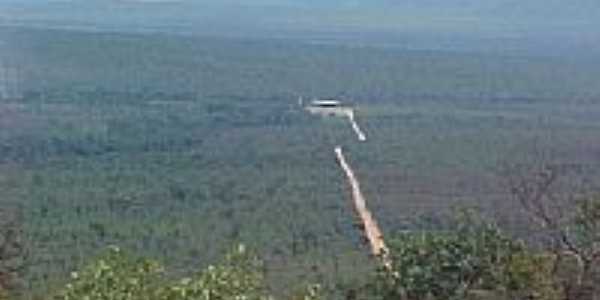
x=178, y=147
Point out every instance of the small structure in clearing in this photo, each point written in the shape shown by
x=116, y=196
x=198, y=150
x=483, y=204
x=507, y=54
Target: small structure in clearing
x=328, y=107
x=334, y=108
x=326, y=103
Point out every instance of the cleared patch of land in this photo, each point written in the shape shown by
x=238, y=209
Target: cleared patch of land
x=344, y=112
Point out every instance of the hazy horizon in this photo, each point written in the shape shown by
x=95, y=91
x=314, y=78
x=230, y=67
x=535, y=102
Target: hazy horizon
x=494, y=19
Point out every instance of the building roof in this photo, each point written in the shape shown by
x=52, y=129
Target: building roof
x=326, y=102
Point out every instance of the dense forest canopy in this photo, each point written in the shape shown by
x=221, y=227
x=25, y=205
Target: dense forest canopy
x=173, y=130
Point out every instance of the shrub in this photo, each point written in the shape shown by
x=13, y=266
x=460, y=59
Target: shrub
x=451, y=265
x=238, y=277
x=532, y=276
x=114, y=276
x=117, y=276
x=311, y=292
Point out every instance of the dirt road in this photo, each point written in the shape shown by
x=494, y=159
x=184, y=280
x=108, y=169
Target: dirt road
x=370, y=226
x=359, y=133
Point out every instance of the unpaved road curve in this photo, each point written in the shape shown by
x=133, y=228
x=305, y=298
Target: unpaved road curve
x=370, y=226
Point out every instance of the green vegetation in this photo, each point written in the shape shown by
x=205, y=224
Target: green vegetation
x=13, y=252
x=175, y=147
x=451, y=265
x=119, y=277
x=469, y=259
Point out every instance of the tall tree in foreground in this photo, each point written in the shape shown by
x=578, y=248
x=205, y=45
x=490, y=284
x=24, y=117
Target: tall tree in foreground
x=12, y=250
x=570, y=220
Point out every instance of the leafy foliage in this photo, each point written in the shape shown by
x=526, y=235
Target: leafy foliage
x=312, y=292
x=533, y=275
x=116, y=276
x=238, y=277
x=586, y=227
x=570, y=219
x=449, y=265
x=582, y=238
